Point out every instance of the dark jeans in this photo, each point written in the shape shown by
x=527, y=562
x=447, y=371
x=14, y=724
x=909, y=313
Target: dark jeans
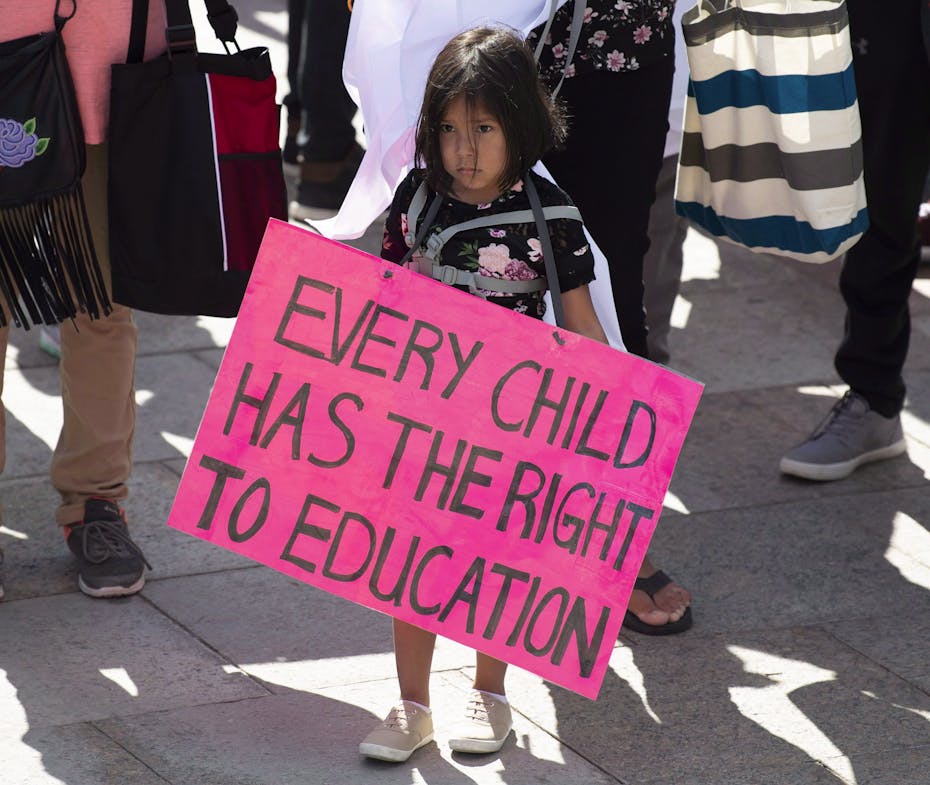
x=609, y=166
x=893, y=83
x=317, y=31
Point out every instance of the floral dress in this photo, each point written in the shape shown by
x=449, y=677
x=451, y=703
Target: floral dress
x=510, y=251
x=618, y=35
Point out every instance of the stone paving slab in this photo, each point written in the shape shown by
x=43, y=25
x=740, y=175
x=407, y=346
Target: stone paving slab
x=70, y=755
x=160, y=334
x=799, y=563
x=171, y=393
x=908, y=767
x=777, y=700
x=731, y=455
x=38, y=562
x=167, y=413
x=895, y=642
x=302, y=738
x=286, y=633
x=727, y=324
x=72, y=659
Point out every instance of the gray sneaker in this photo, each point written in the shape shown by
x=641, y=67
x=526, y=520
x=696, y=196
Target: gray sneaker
x=851, y=435
x=110, y=564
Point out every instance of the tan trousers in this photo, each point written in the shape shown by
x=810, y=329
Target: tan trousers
x=94, y=452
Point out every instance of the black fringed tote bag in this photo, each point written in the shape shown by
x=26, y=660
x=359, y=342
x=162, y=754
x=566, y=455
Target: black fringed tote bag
x=48, y=268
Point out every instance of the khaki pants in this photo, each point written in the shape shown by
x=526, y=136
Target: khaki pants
x=94, y=452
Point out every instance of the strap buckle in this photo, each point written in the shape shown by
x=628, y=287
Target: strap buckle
x=181, y=38
x=434, y=244
x=447, y=274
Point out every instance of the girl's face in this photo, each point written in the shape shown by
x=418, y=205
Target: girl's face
x=473, y=150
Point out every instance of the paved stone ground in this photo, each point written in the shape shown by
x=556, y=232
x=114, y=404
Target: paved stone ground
x=807, y=664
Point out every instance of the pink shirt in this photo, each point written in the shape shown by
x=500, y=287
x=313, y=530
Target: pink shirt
x=95, y=38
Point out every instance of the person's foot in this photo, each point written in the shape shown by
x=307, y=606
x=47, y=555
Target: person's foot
x=323, y=185
x=658, y=605
x=485, y=727
x=110, y=564
x=406, y=728
x=852, y=434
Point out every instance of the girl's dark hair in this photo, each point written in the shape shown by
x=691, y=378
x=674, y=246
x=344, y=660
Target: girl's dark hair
x=493, y=66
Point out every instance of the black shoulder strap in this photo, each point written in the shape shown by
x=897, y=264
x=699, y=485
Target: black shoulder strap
x=424, y=227
x=552, y=273
x=180, y=30
x=140, y=19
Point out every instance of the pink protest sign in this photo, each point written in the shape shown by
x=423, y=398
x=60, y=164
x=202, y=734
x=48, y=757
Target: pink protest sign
x=441, y=459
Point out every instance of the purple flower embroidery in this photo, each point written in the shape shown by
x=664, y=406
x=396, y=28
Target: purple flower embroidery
x=19, y=143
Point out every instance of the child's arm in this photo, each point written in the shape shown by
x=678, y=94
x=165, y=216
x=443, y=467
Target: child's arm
x=580, y=316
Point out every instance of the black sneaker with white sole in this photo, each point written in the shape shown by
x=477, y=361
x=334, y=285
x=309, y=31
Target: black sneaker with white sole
x=110, y=564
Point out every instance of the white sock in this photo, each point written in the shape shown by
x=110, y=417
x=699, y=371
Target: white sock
x=501, y=698
x=427, y=709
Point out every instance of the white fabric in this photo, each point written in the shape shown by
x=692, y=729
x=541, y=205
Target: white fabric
x=389, y=51
x=390, y=48
x=739, y=50
x=795, y=132
x=676, y=109
x=823, y=208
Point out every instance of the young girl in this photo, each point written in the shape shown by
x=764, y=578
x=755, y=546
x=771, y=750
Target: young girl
x=485, y=121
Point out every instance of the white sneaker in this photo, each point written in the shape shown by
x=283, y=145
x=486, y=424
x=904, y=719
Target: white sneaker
x=487, y=724
x=405, y=729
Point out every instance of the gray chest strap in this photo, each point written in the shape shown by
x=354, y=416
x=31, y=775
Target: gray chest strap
x=429, y=264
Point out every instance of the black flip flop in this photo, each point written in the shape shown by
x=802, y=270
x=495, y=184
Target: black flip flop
x=652, y=585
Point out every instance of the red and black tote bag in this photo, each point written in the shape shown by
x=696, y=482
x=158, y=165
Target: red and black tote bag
x=194, y=168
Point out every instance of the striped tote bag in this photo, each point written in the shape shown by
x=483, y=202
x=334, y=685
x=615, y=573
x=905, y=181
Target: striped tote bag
x=771, y=155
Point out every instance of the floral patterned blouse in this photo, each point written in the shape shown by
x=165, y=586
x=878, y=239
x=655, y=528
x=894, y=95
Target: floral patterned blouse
x=508, y=251
x=618, y=35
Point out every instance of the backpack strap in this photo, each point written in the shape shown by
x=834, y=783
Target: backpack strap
x=454, y=276
x=429, y=265
x=573, y=36
x=552, y=274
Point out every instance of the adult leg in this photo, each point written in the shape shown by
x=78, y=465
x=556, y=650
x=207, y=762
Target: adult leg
x=609, y=166
x=663, y=262
x=295, y=37
x=892, y=80
x=93, y=457
x=893, y=83
x=330, y=153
